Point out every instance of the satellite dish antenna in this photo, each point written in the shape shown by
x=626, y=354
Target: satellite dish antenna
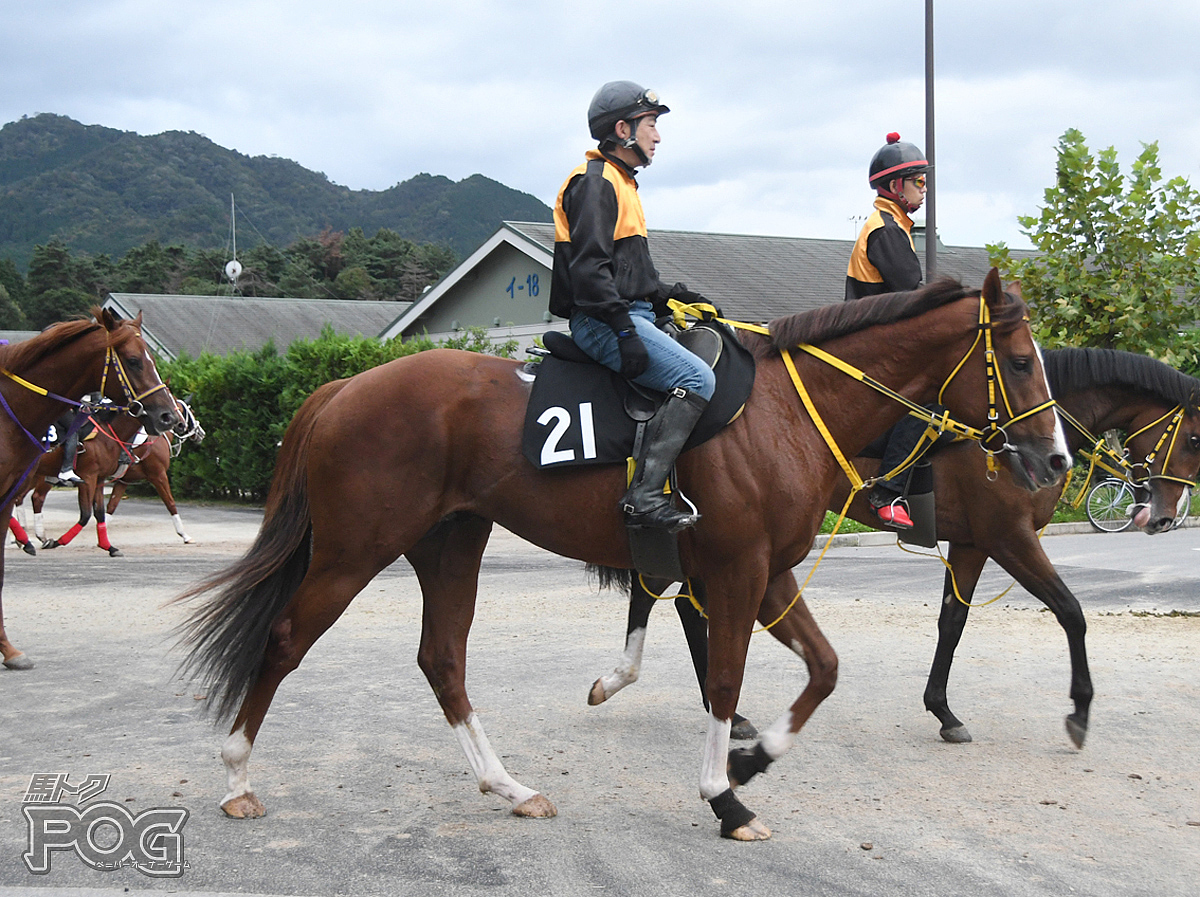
x=233, y=268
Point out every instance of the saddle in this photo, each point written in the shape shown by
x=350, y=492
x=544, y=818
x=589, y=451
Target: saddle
x=581, y=412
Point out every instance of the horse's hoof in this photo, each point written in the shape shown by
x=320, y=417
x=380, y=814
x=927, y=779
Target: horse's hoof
x=751, y=831
x=244, y=806
x=28, y=548
x=115, y=553
x=47, y=544
x=1076, y=730
x=742, y=729
x=21, y=661
x=597, y=695
x=956, y=734
x=537, y=807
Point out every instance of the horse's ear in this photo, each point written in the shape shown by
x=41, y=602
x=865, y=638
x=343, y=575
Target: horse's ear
x=1014, y=289
x=109, y=320
x=993, y=294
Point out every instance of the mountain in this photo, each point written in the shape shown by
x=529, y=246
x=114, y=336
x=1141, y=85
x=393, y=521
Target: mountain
x=106, y=191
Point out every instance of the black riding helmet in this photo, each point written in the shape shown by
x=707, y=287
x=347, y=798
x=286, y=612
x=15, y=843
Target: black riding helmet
x=622, y=101
x=896, y=159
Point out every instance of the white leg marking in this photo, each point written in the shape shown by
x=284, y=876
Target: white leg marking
x=798, y=648
x=39, y=525
x=489, y=771
x=714, y=775
x=179, y=528
x=630, y=666
x=777, y=740
x=235, y=753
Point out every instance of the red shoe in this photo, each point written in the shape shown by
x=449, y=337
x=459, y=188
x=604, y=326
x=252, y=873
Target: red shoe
x=895, y=514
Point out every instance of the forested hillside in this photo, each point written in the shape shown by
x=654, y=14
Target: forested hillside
x=102, y=191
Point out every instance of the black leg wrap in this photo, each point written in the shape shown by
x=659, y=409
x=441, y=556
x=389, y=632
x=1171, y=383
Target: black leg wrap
x=746, y=763
x=731, y=811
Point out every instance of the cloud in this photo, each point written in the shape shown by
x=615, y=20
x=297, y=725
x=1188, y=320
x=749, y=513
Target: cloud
x=777, y=106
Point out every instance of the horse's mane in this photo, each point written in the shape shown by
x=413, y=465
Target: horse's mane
x=23, y=355
x=1076, y=369
x=841, y=318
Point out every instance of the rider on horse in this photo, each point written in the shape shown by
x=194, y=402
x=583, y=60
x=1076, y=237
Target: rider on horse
x=884, y=261
x=605, y=283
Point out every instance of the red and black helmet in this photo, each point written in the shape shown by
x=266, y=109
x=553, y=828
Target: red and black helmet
x=896, y=159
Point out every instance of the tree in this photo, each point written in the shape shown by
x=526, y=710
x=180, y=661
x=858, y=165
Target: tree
x=1118, y=263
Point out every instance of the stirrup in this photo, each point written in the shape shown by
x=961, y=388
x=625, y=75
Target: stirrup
x=663, y=517
x=895, y=513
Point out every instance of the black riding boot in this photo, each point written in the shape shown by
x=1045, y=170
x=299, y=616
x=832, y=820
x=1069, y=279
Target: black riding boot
x=66, y=473
x=645, y=505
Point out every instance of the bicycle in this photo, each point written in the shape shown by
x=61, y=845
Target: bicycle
x=1109, y=503
x=1110, y=506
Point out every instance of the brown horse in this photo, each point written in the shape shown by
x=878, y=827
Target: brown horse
x=111, y=449
x=980, y=518
x=152, y=460
x=445, y=464
x=42, y=376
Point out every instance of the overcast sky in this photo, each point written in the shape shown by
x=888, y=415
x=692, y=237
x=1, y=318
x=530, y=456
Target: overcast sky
x=777, y=105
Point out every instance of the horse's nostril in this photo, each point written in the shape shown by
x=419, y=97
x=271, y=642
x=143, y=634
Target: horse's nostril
x=1058, y=463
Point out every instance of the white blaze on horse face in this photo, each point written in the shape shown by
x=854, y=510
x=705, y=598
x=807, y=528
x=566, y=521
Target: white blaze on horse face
x=235, y=753
x=1060, y=436
x=489, y=771
x=714, y=774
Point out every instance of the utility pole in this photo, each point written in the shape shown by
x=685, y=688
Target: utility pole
x=931, y=177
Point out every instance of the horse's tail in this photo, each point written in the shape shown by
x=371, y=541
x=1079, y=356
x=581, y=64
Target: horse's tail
x=226, y=634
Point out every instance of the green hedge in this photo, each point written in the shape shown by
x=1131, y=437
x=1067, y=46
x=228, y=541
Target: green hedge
x=245, y=400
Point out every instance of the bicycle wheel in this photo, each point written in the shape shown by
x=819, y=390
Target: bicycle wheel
x=1108, y=506
x=1184, y=508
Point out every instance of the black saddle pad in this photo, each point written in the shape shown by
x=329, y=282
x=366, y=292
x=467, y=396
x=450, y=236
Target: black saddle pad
x=581, y=412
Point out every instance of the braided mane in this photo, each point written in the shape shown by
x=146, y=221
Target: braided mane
x=1076, y=369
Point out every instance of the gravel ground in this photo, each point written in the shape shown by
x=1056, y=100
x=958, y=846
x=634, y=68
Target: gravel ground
x=368, y=794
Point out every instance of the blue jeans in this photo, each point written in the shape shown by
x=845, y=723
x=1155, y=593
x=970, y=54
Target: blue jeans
x=671, y=365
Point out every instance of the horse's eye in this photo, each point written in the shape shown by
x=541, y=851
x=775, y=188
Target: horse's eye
x=1022, y=364
x=134, y=361
x=1194, y=442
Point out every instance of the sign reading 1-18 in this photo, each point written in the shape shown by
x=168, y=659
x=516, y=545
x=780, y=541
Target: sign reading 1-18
x=530, y=286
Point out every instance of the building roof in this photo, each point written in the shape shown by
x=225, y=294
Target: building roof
x=174, y=325
x=755, y=278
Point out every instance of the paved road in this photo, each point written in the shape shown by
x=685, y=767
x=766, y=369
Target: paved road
x=368, y=793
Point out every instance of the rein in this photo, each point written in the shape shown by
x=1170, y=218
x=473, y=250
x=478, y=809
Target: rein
x=1100, y=455
x=938, y=424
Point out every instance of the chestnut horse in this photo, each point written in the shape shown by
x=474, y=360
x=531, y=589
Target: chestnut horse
x=1100, y=390
x=445, y=463
x=152, y=460
x=110, y=450
x=42, y=376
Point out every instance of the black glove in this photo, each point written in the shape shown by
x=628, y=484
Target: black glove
x=681, y=293
x=634, y=357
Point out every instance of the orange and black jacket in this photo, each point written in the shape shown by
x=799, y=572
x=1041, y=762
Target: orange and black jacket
x=883, y=260
x=601, y=255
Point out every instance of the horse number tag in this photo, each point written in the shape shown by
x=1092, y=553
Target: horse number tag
x=584, y=439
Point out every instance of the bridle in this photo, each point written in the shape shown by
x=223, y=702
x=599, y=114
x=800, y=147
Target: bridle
x=111, y=359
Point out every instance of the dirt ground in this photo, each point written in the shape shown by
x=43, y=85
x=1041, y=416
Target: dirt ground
x=367, y=791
